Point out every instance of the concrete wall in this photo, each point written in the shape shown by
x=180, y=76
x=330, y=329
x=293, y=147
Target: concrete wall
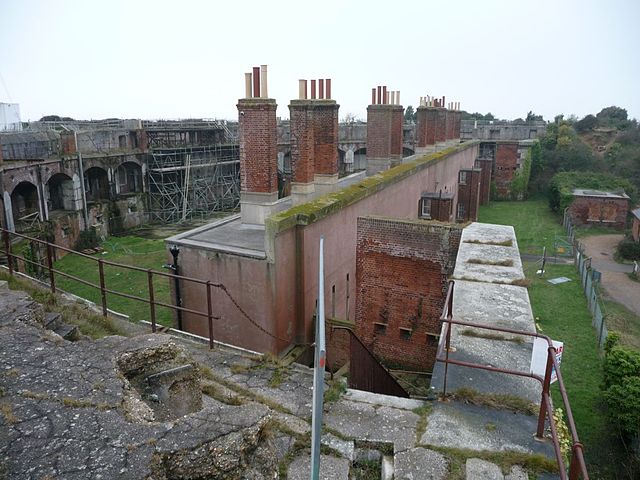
x=402, y=268
x=482, y=130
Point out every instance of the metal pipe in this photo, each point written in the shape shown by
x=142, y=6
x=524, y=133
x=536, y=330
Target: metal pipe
x=175, y=251
x=210, y=314
x=152, y=304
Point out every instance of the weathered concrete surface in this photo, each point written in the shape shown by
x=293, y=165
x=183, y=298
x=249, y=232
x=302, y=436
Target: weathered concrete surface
x=482, y=297
x=420, y=463
x=330, y=467
x=478, y=428
x=63, y=404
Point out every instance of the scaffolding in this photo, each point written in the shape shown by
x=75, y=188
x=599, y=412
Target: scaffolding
x=191, y=183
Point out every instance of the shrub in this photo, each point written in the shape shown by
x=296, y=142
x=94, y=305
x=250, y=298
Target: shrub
x=628, y=249
x=620, y=363
x=87, y=239
x=562, y=185
x=623, y=405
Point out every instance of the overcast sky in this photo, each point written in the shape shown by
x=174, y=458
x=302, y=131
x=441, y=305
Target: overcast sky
x=158, y=59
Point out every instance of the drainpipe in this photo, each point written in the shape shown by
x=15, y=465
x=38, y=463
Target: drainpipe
x=83, y=193
x=175, y=251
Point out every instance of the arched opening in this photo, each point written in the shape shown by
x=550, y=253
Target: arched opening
x=129, y=177
x=360, y=159
x=61, y=194
x=97, y=184
x=407, y=152
x=24, y=200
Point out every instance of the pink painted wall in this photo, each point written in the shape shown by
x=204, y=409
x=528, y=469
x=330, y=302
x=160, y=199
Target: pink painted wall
x=339, y=231
x=281, y=296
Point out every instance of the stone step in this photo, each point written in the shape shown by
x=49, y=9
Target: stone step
x=52, y=320
x=68, y=332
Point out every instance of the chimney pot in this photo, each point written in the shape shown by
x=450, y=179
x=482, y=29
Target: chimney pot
x=302, y=89
x=256, y=82
x=263, y=82
x=385, y=97
x=373, y=96
x=379, y=95
x=247, y=85
x=313, y=89
x=321, y=89
x=328, y=88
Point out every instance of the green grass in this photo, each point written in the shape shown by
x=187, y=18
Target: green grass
x=140, y=252
x=624, y=321
x=535, y=224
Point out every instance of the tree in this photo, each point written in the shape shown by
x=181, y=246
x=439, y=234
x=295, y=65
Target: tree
x=614, y=117
x=532, y=117
x=587, y=124
x=409, y=115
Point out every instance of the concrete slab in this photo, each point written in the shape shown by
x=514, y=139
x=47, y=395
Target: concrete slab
x=373, y=423
x=472, y=427
x=383, y=400
x=330, y=467
x=420, y=464
x=478, y=469
x=227, y=235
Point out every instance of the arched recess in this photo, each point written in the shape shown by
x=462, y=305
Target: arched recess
x=360, y=159
x=129, y=178
x=24, y=200
x=96, y=183
x=61, y=193
x=407, y=152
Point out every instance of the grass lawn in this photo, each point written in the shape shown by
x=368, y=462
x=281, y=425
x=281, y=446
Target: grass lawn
x=535, y=224
x=140, y=252
x=561, y=312
x=624, y=321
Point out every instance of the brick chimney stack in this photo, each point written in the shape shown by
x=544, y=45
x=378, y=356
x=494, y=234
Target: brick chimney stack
x=258, y=149
x=314, y=141
x=385, y=118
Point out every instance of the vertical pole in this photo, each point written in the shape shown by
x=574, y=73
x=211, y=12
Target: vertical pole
x=152, y=300
x=103, y=293
x=7, y=249
x=210, y=314
x=318, y=372
x=545, y=392
x=447, y=344
x=52, y=278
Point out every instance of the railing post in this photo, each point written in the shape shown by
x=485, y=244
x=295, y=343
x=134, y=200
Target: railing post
x=7, y=248
x=210, y=314
x=574, y=466
x=103, y=293
x=52, y=278
x=152, y=301
x=545, y=391
x=447, y=345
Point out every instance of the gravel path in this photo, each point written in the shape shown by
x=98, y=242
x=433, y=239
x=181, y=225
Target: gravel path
x=614, y=275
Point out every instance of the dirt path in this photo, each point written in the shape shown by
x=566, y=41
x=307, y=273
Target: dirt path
x=614, y=275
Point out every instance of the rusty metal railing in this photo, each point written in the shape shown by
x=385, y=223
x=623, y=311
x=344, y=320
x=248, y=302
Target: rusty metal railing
x=366, y=372
x=52, y=248
x=577, y=465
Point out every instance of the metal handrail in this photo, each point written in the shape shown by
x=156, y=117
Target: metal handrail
x=577, y=464
x=150, y=273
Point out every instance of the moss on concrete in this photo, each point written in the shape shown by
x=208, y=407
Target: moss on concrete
x=315, y=210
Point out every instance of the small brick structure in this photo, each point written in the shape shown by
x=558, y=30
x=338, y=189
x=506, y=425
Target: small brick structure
x=436, y=206
x=426, y=118
x=468, y=194
x=402, y=268
x=635, y=225
x=384, y=131
x=325, y=134
x=486, y=166
x=505, y=167
x=594, y=207
x=441, y=125
x=302, y=141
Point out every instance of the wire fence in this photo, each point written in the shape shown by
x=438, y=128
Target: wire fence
x=590, y=280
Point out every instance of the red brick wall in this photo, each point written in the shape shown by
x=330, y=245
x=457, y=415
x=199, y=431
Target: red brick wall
x=258, y=145
x=67, y=143
x=325, y=131
x=456, y=125
x=302, y=141
x=338, y=347
x=426, y=126
x=441, y=125
x=402, y=268
x=485, y=165
x=469, y=195
x=506, y=164
x=635, y=229
x=450, y=117
x=599, y=211
x=441, y=209
x=384, y=131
